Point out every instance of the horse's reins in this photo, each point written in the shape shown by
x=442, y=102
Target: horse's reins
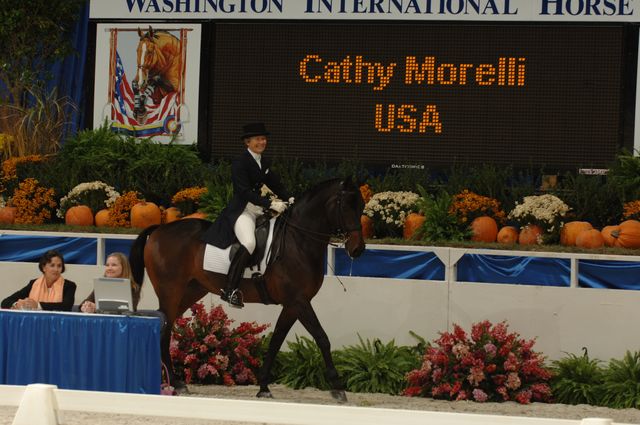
x=322, y=236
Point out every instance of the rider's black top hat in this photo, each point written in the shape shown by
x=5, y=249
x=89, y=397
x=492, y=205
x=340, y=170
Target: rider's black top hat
x=254, y=129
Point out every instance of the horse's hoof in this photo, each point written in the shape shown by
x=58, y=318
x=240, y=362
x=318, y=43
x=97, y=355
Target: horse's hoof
x=264, y=394
x=339, y=396
x=181, y=388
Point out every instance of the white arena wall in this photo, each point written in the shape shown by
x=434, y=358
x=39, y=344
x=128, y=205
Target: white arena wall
x=562, y=319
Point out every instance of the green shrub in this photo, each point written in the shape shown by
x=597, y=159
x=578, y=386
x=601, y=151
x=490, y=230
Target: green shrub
x=592, y=198
x=439, y=225
x=624, y=175
x=303, y=365
x=577, y=380
x=621, y=386
x=374, y=367
x=155, y=170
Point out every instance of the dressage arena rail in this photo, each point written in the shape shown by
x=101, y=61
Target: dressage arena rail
x=41, y=404
x=562, y=313
x=449, y=257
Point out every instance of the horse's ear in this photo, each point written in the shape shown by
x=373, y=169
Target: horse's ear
x=140, y=33
x=151, y=32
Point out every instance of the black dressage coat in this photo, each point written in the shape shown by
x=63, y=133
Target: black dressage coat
x=247, y=178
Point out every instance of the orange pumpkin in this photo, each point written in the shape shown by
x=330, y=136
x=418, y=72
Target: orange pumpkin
x=607, y=234
x=197, y=214
x=79, y=215
x=628, y=234
x=171, y=214
x=571, y=230
x=530, y=234
x=590, y=239
x=508, y=235
x=145, y=214
x=485, y=229
x=367, y=226
x=102, y=217
x=412, y=223
x=8, y=215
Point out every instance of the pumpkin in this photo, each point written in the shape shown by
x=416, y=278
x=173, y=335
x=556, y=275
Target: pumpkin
x=367, y=226
x=484, y=228
x=412, y=223
x=607, y=231
x=197, y=214
x=590, y=239
x=79, y=215
x=171, y=214
x=101, y=218
x=145, y=214
x=8, y=215
x=628, y=234
x=530, y=235
x=571, y=230
x=508, y=235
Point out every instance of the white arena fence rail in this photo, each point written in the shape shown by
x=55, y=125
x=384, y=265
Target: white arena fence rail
x=42, y=404
x=450, y=257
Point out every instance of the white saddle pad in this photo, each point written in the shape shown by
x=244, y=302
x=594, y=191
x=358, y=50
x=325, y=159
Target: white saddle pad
x=217, y=260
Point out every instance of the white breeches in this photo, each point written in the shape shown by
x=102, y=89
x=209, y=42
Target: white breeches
x=245, y=226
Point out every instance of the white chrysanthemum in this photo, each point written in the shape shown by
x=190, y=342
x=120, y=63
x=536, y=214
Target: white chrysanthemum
x=391, y=208
x=542, y=208
x=78, y=193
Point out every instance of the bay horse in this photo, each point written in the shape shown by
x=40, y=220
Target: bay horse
x=173, y=256
x=159, y=67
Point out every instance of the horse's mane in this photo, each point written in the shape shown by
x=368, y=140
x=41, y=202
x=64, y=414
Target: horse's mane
x=320, y=187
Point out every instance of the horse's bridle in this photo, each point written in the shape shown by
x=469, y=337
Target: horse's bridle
x=341, y=229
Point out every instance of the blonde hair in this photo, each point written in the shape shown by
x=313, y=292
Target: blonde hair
x=126, y=268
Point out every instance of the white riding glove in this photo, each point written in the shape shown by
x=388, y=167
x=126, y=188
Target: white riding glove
x=278, y=206
x=292, y=200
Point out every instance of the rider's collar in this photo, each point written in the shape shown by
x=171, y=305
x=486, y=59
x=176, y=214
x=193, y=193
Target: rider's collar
x=256, y=156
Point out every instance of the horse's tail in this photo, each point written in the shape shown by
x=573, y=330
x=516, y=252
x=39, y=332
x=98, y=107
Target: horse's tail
x=136, y=255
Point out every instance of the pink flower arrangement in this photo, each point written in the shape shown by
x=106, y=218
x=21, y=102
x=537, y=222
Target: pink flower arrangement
x=204, y=349
x=489, y=365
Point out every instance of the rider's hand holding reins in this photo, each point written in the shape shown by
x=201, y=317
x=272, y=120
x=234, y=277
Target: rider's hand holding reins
x=278, y=206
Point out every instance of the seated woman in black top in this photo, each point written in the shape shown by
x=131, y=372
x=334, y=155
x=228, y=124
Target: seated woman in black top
x=48, y=292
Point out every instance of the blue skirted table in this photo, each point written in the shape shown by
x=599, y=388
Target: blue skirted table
x=80, y=351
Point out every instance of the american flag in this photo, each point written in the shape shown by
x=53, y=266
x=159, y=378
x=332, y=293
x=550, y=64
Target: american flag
x=158, y=115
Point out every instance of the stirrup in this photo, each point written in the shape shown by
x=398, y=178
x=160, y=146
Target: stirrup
x=234, y=299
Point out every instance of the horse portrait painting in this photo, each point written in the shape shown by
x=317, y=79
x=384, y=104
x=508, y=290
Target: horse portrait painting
x=173, y=254
x=159, y=68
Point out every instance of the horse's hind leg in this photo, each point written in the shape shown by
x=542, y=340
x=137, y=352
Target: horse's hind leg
x=286, y=319
x=311, y=323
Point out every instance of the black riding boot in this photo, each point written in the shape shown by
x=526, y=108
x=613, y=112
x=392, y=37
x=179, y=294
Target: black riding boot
x=231, y=293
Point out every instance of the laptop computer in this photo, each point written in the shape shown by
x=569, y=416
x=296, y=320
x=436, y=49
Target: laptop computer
x=113, y=295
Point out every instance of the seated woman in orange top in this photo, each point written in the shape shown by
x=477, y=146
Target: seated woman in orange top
x=48, y=292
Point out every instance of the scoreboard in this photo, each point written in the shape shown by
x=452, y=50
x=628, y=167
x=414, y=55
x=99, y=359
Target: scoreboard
x=424, y=94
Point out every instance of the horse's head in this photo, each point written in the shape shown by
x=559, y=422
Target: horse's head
x=146, y=55
x=347, y=209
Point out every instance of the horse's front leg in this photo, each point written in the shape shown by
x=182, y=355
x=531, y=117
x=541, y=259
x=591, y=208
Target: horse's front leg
x=287, y=318
x=311, y=323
